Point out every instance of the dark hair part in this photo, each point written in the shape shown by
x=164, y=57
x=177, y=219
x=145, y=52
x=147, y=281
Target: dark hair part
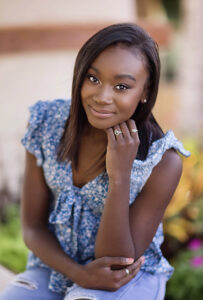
x=131, y=36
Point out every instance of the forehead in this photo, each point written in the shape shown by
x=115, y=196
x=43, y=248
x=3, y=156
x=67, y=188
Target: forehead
x=120, y=58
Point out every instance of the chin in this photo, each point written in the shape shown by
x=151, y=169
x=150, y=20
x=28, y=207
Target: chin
x=100, y=123
x=99, y=126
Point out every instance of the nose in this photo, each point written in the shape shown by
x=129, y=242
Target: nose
x=103, y=95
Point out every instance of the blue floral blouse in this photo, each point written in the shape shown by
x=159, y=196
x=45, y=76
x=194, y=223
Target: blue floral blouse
x=75, y=212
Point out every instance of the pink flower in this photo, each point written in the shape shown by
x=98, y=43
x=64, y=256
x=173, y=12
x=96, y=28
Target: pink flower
x=195, y=244
x=197, y=261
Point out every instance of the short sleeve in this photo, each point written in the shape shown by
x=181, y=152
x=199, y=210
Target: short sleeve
x=32, y=140
x=142, y=169
x=46, y=125
x=159, y=147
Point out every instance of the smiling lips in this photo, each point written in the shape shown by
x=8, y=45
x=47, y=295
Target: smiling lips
x=102, y=113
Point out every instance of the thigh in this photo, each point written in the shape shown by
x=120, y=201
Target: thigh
x=149, y=287
x=32, y=285
x=143, y=286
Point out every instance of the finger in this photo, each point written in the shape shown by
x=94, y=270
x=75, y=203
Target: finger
x=110, y=135
x=136, y=264
x=132, y=128
x=128, y=276
x=125, y=130
x=118, y=133
x=131, y=269
x=122, y=261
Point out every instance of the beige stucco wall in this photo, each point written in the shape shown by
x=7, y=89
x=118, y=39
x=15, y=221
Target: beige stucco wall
x=25, y=78
x=27, y=12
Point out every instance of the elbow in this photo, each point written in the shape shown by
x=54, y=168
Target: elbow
x=30, y=235
x=27, y=234
x=126, y=251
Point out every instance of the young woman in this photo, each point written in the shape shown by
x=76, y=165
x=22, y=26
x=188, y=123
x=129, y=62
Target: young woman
x=99, y=175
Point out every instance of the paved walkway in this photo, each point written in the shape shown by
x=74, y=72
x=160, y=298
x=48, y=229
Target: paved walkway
x=5, y=277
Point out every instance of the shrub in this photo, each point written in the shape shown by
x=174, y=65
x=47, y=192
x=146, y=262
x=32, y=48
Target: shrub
x=186, y=283
x=183, y=216
x=13, y=252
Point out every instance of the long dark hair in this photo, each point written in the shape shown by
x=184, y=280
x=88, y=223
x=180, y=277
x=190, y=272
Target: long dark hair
x=132, y=36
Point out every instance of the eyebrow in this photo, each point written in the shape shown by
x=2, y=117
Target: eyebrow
x=118, y=76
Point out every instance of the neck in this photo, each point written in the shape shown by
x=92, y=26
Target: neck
x=99, y=135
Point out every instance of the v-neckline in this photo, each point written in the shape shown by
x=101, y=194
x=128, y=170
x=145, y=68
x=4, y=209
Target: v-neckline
x=86, y=184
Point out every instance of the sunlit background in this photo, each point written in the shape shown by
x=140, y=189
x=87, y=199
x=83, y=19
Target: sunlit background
x=39, y=41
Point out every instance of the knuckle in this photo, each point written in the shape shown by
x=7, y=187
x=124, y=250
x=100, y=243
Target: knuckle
x=122, y=144
x=112, y=146
x=137, y=265
x=116, y=278
x=131, y=268
x=116, y=286
x=135, y=271
x=131, y=121
x=131, y=142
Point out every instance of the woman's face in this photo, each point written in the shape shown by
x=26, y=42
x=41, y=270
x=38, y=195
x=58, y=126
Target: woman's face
x=113, y=87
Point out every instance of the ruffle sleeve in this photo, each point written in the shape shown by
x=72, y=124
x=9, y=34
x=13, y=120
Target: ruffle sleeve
x=46, y=124
x=160, y=146
x=142, y=169
x=32, y=140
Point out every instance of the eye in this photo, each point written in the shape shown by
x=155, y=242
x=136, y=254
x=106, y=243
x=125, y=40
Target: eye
x=92, y=78
x=122, y=87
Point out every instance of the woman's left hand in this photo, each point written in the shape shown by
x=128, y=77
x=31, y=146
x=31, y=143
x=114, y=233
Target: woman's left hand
x=121, y=149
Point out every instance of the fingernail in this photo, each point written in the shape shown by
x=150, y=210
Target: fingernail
x=129, y=260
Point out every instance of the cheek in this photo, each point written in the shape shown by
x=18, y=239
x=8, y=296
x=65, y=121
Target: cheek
x=86, y=92
x=129, y=105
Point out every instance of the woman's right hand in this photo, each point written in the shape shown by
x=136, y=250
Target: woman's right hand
x=98, y=274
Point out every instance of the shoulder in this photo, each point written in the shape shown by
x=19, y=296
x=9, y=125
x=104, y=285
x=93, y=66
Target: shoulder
x=45, y=126
x=49, y=115
x=165, y=177
x=169, y=165
x=42, y=109
x=162, y=182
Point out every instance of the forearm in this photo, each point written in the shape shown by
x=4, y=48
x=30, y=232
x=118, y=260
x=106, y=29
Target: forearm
x=114, y=235
x=45, y=246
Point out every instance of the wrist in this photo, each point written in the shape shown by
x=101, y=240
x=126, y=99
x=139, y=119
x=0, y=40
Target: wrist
x=119, y=179
x=75, y=273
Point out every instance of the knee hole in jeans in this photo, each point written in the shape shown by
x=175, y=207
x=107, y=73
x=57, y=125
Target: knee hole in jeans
x=24, y=283
x=89, y=298
x=84, y=298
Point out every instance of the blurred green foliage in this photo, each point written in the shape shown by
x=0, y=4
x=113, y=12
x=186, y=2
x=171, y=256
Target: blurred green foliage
x=183, y=224
x=13, y=252
x=187, y=283
x=173, y=10
x=184, y=215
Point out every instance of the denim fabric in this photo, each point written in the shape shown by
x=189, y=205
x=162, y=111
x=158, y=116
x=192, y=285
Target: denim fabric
x=30, y=285
x=144, y=286
x=33, y=285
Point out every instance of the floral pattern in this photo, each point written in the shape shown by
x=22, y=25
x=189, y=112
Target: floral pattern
x=75, y=212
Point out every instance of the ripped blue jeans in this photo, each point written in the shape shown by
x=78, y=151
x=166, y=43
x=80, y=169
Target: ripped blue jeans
x=33, y=285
